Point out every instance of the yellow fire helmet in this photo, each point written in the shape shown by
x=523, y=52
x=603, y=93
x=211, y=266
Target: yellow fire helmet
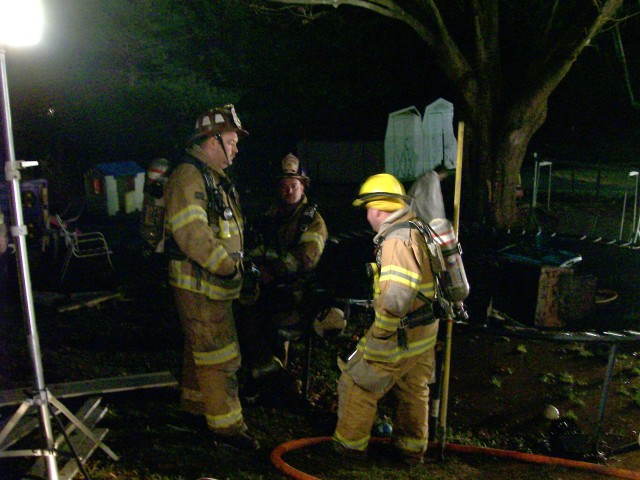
x=383, y=192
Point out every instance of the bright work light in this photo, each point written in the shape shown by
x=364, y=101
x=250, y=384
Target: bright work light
x=21, y=22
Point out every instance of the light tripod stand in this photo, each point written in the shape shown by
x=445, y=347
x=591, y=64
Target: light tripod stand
x=19, y=232
x=42, y=399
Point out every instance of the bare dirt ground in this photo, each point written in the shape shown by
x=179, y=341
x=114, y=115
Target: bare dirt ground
x=499, y=387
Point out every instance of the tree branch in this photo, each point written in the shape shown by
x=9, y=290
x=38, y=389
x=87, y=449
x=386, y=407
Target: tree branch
x=387, y=8
x=545, y=76
x=438, y=40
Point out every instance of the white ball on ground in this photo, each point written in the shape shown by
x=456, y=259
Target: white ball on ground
x=551, y=412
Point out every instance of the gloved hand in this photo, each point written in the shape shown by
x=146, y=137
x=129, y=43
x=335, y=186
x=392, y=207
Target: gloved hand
x=329, y=323
x=250, y=290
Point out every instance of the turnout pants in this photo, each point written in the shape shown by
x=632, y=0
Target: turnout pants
x=211, y=360
x=357, y=406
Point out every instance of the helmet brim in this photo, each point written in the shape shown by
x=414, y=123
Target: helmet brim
x=363, y=199
x=303, y=178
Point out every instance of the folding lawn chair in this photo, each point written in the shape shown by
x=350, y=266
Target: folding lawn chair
x=82, y=245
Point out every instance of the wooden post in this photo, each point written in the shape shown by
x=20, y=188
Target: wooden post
x=444, y=394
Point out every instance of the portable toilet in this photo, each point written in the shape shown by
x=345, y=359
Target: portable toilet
x=114, y=187
x=403, y=144
x=440, y=145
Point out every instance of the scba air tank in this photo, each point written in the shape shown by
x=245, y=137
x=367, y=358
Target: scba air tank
x=455, y=281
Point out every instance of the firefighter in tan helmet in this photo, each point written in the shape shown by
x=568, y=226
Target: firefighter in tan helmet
x=204, y=229
x=397, y=351
x=293, y=236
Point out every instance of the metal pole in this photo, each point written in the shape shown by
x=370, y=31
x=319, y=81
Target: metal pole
x=444, y=392
x=549, y=188
x=536, y=172
x=603, y=396
x=624, y=207
x=634, y=228
x=19, y=232
x=536, y=182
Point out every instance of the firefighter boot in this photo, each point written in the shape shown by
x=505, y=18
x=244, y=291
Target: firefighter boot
x=271, y=366
x=240, y=440
x=406, y=457
x=345, y=452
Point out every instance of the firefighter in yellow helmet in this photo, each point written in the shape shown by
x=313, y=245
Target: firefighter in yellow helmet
x=204, y=228
x=397, y=351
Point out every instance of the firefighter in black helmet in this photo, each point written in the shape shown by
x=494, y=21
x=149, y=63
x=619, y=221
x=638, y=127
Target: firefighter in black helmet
x=204, y=228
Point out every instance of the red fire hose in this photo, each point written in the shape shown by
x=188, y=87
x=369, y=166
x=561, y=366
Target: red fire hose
x=291, y=472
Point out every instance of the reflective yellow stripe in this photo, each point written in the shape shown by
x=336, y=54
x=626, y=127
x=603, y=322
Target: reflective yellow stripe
x=313, y=237
x=428, y=289
x=215, y=259
x=214, y=292
x=192, y=213
x=234, y=229
x=395, y=353
x=394, y=273
x=191, y=283
x=411, y=444
x=360, y=444
x=216, y=357
x=191, y=395
x=385, y=322
x=226, y=420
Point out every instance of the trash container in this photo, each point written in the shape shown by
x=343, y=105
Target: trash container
x=538, y=286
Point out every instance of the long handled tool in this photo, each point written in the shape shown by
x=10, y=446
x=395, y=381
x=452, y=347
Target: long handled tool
x=444, y=389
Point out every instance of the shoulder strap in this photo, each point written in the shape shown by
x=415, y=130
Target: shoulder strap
x=307, y=217
x=304, y=221
x=214, y=197
x=426, y=233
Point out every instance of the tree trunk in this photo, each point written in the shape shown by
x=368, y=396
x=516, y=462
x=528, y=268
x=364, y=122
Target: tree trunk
x=523, y=121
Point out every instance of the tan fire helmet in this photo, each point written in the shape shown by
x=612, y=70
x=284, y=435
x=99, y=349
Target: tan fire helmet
x=330, y=322
x=218, y=120
x=291, y=168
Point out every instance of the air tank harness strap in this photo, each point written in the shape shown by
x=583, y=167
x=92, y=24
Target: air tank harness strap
x=307, y=217
x=215, y=203
x=305, y=220
x=421, y=316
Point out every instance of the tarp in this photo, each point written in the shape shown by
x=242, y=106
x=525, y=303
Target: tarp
x=414, y=144
x=403, y=144
x=439, y=141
